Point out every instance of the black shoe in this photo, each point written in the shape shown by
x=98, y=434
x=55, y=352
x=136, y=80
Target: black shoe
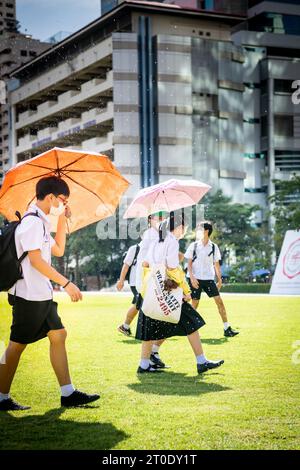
x=208, y=365
x=125, y=331
x=147, y=371
x=78, y=398
x=157, y=363
x=11, y=405
x=230, y=332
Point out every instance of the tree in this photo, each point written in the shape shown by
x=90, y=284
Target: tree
x=235, y=230
x=286, y=210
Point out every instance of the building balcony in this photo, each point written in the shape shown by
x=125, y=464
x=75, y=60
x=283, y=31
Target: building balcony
x=98, y=144
x=71, y=103
x=96, y=123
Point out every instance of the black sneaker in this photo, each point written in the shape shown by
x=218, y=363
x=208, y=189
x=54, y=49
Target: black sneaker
x=11, y=405
x=156, y=362
x=78, y=398
x=208, y=365
x=147, y=371
x=230, y=332
x=125, y=331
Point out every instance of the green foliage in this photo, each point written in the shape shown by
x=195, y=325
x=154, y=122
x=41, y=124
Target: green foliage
x=287, y=208
x=249, y=288
x=234, y=230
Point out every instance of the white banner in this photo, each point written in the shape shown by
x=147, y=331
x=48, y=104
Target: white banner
x=286, y=279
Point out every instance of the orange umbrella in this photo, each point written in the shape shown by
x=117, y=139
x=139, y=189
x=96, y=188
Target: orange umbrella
x=96, y=186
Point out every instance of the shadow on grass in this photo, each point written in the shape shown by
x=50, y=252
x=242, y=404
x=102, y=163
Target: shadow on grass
x=129, y=341
x=173, y=383
x=214, y=340
x=49, y=431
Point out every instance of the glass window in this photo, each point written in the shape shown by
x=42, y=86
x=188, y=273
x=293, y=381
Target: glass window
x=264, y=126
x=283, y=86
x=284, y=126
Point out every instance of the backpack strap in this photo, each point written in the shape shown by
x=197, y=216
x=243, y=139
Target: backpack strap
x=194, y=252
x=35, y=214
x=137, y=250
x=213, y=249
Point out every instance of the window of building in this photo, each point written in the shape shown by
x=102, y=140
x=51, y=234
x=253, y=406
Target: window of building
x=283, y=86
x=275, y=23
x=32, y=53
x=284, y=126
x=9, y=5
x=264, y=87
x=23, y=53
x=287, y=160
x=264, y=126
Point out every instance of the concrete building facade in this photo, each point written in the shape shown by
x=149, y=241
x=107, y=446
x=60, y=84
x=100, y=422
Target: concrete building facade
x=169, y=92
x=15, y=50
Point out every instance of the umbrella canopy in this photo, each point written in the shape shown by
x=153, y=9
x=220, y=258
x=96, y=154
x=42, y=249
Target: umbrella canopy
x=167, y=196
x=260, y=272
x=96, y=186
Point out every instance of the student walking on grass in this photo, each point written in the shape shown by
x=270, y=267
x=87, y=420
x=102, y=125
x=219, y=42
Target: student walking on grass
x=34, y=311
x=203, y=264
x=129, y=270
x=166, y=250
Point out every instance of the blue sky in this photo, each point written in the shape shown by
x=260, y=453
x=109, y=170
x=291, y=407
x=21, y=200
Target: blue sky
x=43, y=18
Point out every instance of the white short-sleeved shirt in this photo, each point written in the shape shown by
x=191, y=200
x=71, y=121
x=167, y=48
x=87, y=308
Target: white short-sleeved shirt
x=149, y=236
x=33, y=233
x=203, y=266
x=166, y=252
x=129, y=260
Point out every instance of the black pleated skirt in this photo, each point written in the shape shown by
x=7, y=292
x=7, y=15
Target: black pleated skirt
x=150, y=330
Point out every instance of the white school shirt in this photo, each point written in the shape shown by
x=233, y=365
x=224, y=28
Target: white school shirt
x=149, y=236
x=129, y=260
x=203, y=266
x=166, y=252
x=30, y=235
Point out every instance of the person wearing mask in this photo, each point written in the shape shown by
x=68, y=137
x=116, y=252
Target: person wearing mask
x=203, y=265
x=34, y=312
x=166, y=250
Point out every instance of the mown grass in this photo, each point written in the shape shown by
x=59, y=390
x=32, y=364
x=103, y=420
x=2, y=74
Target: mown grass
x=252, y=402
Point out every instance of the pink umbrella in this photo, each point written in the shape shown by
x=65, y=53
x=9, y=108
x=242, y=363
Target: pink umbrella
x=167, y=196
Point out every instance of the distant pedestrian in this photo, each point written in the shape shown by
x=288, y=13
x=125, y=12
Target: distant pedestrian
x=204, y=257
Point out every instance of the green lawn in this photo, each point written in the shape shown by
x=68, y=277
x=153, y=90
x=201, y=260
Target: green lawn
x=252, y=402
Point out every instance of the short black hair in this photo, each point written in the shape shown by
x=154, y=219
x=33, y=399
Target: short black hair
x=207, y=226
x=176, y=219
x=51, y=185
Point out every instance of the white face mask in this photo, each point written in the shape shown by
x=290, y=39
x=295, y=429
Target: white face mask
x=56, y=211
x=199, y=234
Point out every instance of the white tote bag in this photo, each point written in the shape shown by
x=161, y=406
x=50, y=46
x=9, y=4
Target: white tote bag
x=158, y=303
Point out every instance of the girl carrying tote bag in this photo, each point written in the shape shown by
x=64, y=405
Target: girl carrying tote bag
x=162, y=300
x=160, y=303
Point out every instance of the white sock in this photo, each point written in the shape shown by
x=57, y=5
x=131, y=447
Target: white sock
x=201, y=359
x=226, y=325
x=145, y=363
x=126, y=326
x=4, y=396
x=67, y=390
x=155, y=349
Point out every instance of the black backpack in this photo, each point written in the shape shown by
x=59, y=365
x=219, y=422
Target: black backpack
x=209, y=254
x=137, y=250
x=10, y=264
